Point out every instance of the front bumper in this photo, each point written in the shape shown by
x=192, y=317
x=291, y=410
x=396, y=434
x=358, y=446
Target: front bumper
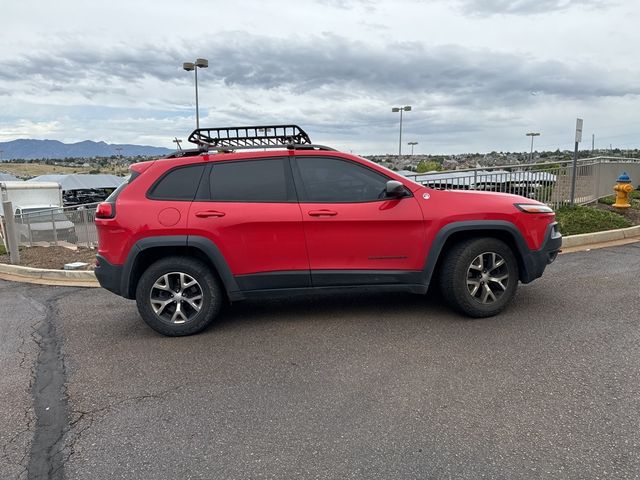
x=536, y=261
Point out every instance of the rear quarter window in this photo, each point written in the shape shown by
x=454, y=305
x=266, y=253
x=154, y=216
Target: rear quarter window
x=180, y=183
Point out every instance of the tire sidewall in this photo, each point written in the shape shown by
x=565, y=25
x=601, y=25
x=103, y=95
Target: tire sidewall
x=211, y=295
x=467, y=303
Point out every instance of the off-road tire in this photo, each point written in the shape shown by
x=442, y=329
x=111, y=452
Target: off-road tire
x=458, y=277
x=153, y=285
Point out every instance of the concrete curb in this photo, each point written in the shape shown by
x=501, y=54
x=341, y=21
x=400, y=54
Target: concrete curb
x=44, y=276
x=87, y=278
x=600, y=237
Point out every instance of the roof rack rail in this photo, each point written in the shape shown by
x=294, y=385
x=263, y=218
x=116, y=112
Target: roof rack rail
x=259, y=136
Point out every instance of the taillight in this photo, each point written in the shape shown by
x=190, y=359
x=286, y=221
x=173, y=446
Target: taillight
x=105, y=210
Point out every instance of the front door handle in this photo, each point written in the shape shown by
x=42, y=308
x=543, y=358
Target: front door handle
x=322, y=213
x=209, y=213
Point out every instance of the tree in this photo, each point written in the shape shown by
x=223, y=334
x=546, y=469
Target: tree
x=427, y=166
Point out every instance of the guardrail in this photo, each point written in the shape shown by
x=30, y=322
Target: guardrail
x=547, y=182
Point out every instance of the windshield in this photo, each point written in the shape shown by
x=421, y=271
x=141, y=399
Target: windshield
x=43, y=214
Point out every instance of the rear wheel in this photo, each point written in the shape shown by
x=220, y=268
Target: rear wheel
x=479, y=276
x=178, y=296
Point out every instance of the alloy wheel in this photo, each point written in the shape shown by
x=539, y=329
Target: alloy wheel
x=176, y=297
x=487, y=277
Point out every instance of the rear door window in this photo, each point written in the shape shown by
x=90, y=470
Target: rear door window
x=264, y=180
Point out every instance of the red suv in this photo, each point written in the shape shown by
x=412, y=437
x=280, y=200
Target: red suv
x=263, y=211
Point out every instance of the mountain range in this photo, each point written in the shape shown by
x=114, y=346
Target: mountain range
x=36, y=149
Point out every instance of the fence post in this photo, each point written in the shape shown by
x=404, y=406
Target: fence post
x=599, y=165
x=29, y=229
x=12, y=233
x=53, y=226
x=85, y=220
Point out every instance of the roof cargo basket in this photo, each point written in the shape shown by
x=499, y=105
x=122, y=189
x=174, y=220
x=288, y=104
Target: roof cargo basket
x=263, y=136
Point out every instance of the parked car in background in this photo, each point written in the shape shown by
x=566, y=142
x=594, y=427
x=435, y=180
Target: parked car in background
x=44, y=223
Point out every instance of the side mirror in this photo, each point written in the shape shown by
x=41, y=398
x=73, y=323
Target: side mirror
x=395, y=189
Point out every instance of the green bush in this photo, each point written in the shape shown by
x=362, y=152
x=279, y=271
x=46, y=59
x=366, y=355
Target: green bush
x=2, y=249
x=577, y=219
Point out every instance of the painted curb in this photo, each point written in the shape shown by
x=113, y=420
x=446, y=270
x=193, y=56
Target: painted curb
x=44, y=276
x=600, y=237
x=87, y=278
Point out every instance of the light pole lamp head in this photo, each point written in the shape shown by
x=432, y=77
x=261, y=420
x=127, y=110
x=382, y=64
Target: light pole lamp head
x=407, y=108
x=188, y=66
x=202, y=62
x=395, y=109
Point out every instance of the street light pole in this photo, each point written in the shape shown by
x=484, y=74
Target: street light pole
x=412, y=144
x=188, y=66
x=406, y=108
x=532, y=134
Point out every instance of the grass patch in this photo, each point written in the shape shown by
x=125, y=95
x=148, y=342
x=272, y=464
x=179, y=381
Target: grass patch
x=3, y=250
x=611, y=199
x=578, y=219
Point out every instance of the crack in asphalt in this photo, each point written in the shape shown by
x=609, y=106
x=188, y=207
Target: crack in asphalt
x=50, y=400
x=55, y=428
x=28, y=414
x=84, y=419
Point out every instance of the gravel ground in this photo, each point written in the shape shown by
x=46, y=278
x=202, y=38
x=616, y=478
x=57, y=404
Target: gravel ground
x=53, y=257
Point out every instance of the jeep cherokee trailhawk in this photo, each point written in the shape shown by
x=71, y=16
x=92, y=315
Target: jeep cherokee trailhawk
x=263, y=211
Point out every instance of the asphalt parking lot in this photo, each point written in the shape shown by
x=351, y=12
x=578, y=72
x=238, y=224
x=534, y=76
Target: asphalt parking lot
x=369, y=386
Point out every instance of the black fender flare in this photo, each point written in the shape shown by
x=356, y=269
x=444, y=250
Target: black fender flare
x=435, y=251
x=203, y=244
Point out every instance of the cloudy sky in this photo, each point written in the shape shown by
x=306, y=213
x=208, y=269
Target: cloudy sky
x=479, y=74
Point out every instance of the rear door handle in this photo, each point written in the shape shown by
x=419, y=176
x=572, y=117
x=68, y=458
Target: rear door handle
x=322, y=213
x=209, y=213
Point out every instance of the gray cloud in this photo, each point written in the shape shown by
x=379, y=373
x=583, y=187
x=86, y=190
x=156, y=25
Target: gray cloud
x=348, y=68
x=492, y=7
x=414, y=68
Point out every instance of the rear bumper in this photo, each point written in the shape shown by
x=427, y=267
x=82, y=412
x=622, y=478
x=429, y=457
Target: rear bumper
x=535, y=262
x=109, y=276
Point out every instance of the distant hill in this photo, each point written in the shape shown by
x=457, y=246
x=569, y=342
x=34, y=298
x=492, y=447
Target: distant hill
x=32, y=149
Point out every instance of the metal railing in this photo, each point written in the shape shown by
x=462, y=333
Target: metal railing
x=59, y=226
x=547, y=182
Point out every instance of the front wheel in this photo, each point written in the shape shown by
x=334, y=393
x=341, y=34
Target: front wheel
x=178, y=296
x=479, y=277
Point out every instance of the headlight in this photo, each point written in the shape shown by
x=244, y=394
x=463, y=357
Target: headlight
x=533, y=208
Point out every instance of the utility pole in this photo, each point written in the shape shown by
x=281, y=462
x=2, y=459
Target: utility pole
x=532, y=134
x=1, y=152
x=177, y=141
x=593, y=143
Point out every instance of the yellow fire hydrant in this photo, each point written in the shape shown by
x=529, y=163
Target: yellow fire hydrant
x=623, y=188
